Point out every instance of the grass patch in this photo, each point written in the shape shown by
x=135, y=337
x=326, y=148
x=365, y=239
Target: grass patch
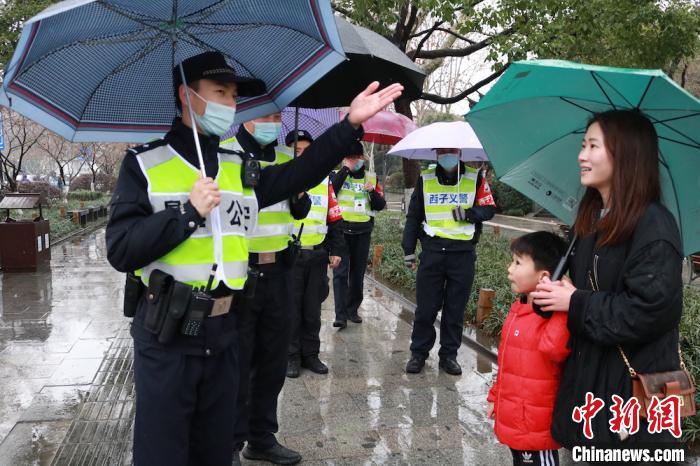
x=60, y=226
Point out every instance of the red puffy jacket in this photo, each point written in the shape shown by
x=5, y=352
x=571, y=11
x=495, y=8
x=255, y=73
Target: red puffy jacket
x=530, y=358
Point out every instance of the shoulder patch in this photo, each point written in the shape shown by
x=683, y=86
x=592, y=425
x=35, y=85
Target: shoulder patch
x=146, y=147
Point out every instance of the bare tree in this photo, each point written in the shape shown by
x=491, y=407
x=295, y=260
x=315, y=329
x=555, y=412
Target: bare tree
x=21, y=136
x=63, y=154
x=111, y=158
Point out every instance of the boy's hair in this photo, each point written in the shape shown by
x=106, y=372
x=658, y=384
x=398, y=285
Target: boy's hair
x=543, y=247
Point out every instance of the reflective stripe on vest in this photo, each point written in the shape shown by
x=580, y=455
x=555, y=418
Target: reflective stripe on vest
x=170, y=179
x=439, y=200
x=315, y=228
x=354, y=201
x=275, y=222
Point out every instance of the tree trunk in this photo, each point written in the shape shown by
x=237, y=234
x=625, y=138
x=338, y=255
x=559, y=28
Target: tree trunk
x=411, y=168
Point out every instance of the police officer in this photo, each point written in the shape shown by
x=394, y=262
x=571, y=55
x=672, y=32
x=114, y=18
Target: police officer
x=445, y=213
x=264, y=326
x=322, y=243
x=161, y=220
x=360, y=197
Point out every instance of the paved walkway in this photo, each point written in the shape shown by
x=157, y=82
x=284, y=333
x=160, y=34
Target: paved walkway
x=67, y=397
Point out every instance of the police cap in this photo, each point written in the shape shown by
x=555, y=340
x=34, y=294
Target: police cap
x=302, y=135
x=212, y=65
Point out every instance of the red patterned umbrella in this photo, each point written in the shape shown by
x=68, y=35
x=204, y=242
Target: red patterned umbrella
x=386, y=127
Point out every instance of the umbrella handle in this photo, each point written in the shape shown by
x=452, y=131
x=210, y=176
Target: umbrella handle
x=202, y=169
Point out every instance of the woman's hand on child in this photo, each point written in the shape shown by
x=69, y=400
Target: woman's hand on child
x=489, y=411
x=553, y=296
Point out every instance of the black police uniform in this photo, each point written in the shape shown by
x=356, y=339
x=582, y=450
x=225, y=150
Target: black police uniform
x=264, y=330
x=310, y=289
x=348, y=278
x=187, y=389
x=445, y=273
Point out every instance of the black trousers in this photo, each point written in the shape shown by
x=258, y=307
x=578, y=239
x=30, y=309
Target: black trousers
x=535, y=458
x=348, y=278
x=309, y=290
x=444, y=281
x=263, y=330
x=184, y=406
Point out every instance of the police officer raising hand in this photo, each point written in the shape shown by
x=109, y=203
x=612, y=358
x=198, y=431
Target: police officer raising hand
x=205, y=196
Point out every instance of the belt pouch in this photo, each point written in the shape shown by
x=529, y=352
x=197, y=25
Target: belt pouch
x=179, y=302
x=132, y=293
x=158, y=299
x=199, y=308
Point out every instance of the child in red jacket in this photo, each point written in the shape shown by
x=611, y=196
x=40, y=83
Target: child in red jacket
x=530, y=357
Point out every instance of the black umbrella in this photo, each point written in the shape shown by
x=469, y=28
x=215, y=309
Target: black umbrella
x=371, y=57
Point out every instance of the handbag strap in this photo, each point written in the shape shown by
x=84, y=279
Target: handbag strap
x=633, y=373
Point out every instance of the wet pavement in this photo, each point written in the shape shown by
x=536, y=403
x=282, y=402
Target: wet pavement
x=67, y=381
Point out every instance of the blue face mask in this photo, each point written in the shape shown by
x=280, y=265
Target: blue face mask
x=448, y=161
x=266, y=132
x=217, y=118
x=358, y=166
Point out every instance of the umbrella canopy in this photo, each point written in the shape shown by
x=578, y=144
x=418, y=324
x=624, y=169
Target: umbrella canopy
x=421, y=142
x=532, y=121
x=386, y=127
x=371, y=57
x=102, y=70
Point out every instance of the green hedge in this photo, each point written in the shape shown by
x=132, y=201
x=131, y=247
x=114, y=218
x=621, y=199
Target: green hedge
x=493, y=257
x=84, y=195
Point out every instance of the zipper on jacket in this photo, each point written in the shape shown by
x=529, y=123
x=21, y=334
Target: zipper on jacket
x=498, y=397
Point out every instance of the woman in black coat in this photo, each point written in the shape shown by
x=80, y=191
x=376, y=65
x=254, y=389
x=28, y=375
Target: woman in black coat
x=629, y=252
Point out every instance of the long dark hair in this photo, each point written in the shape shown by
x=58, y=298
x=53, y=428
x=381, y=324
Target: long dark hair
x=631, y=141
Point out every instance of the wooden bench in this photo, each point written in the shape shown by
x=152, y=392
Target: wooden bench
x=694, y=260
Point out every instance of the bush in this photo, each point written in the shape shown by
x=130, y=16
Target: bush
x=690, y=348
x=508, y=200
x=103, y=183
x=83, y=195
x=395, y=181
x=47, y=191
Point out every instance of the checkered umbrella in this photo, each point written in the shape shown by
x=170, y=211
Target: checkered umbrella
x=101, y=70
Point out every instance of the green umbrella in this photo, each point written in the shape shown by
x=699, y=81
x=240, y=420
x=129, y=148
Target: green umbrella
x=532, y=121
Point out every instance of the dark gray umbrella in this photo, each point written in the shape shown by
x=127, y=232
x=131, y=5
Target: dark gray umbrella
x=370, y=57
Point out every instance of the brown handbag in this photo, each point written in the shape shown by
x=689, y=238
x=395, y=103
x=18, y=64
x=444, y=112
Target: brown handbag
x=661, y=385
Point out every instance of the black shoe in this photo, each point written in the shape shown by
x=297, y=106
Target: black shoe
x=236, y=458
x=278, y=454
x=451, y=366
x=340, y=323
x=293, y=368
x=356, y=319
x=313, y=364
x=415, y=364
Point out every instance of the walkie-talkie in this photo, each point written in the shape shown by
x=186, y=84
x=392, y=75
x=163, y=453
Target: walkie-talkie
x=200, y=307
x=294, y=247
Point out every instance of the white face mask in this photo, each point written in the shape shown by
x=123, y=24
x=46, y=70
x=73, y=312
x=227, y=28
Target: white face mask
x=217, y=118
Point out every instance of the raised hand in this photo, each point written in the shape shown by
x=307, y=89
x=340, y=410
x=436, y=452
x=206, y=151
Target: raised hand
x=370, y=101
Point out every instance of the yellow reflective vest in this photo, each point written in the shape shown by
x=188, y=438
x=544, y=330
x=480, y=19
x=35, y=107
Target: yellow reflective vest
x=439, y=200
x=222, y=239
x=354, y=201
x=315, y=226
x=275, y=223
